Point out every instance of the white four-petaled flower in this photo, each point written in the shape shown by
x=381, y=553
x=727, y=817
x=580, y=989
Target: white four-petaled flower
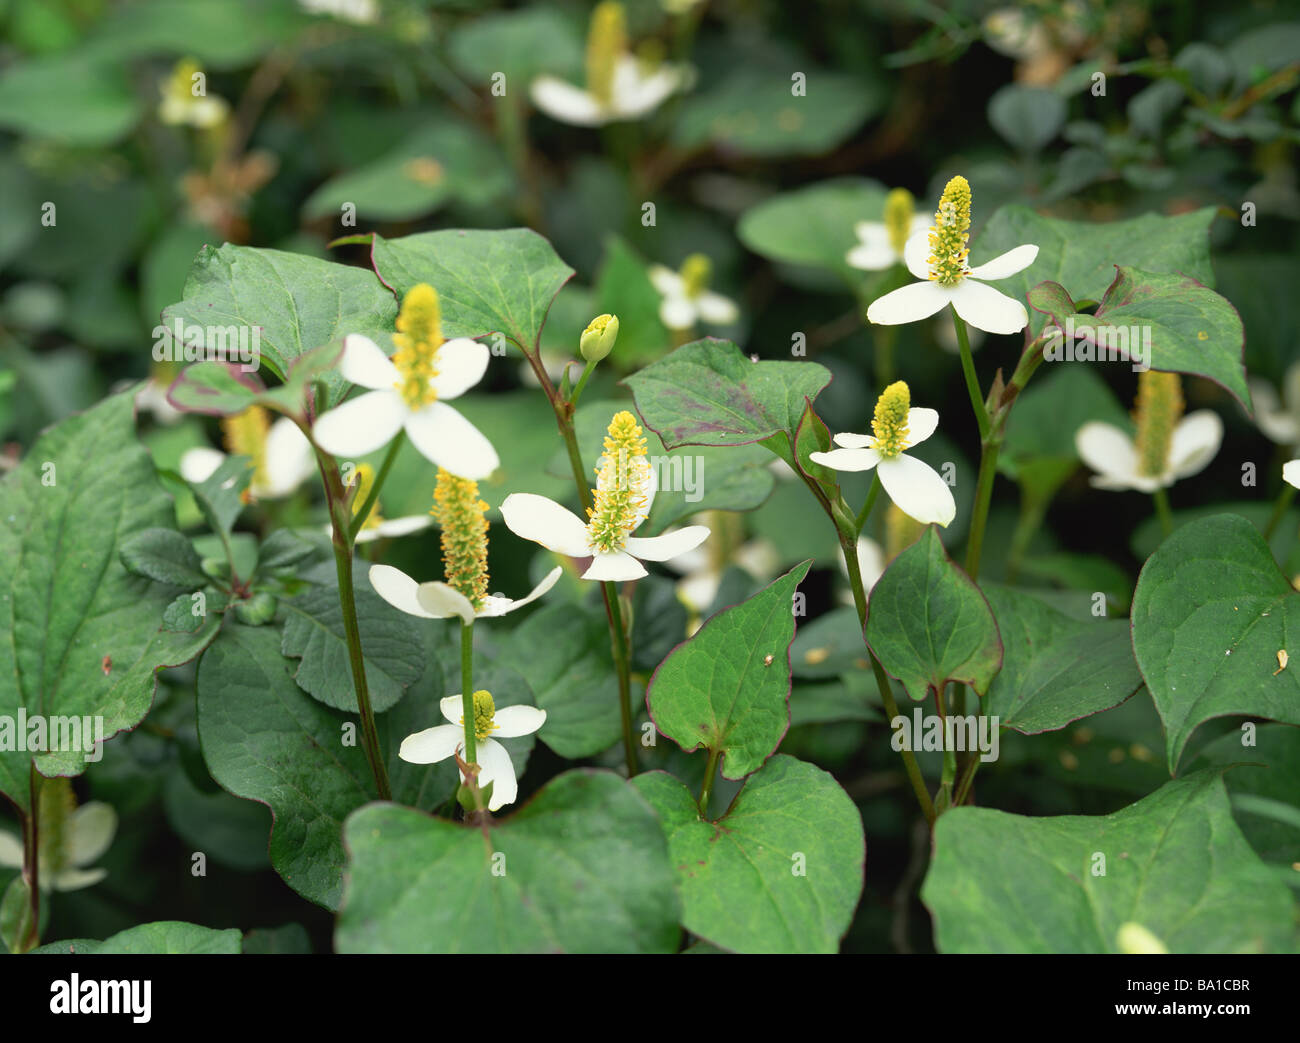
x=438, y=600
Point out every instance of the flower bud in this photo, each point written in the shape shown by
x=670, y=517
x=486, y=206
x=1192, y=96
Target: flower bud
x=598, y=338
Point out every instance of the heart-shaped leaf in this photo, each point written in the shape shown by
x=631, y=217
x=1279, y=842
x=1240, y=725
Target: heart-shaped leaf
x=781, y=872
x=728, y=686
x=1210, y=614
x=164, y=936
x=582, y=867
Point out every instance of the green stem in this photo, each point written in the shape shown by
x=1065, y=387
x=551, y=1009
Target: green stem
x=972, y=381
x=1162, y=511
x=706, y=790
x=32, y=861
x=884, y=345
x=582, y=383
x=983, y=498
x=870, y=502
x=360, y=515
x=1028, y=522
x=467, y=690
x=1284, y=499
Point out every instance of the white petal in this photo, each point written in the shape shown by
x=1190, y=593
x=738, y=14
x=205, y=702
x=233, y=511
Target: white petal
x=911, y=303
x=544, y=521
x=1275, y=421
x=432, y=745
x=200, y=463
x=442, y=602
x=453, y=709
x=1008, y=264
x=617, y=567
x=1108, y=451
x=364, y=363
x=871, y=258
x=447, y=439
x=717, y=309
x=1290, y=475
x=921, y=424
x=1196, y=439
x=915, y=252
x=289, y=459
x=76, y=879
x=403, y=526
x=514, y=721
x=669, y=545
x=399, y=590
x=361, y=425
x=11, y=850
x=989, y=309
x=666, y=281
x=93, y=826
x=917, y=489
x=699, y=589
x=494, y=606
x=635, y=94
x=495, y=767
x=677, y=312
x=567, y=103
x=847, y=459
x=461, y=364
x=848, y=440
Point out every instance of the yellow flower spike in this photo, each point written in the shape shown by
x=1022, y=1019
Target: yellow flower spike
x=620, y=480
x=484, y=715
x=364, y=480
x=459, y=511
x=1159, y=408
x=948, y=237
x=898, y=217
x=695, y=272
x=418, y=337
x=606, y=43
x=245, y=435
x=889, y=425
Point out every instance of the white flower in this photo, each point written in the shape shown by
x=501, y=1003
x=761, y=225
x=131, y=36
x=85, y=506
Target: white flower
x=938, y=258
x=440, y=433
x=625, y=491
x=1113, y=454
x=1279, y=418
x=634, y=92
x=912, y=484
x=437, y=600
x=184, y=100
x=282, y=457
x=359, y=12
x=391, y=528
x=152, y=397
x=445, y=740
x=1291, y=473
x=686, y=298
x=874, y=250
x=87, y=834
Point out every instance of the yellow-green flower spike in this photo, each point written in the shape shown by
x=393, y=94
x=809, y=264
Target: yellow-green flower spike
x=898, y=217
x=598, y=339
x=889, y=425
x=620, y=480
x=948, y=251
x=245, y=435
x=696, y=272
x=901, y=531
x=606, y=43
x=459, y=511
x=363, y=479
x=484, y=715
x=180, y=84
x=418, y=337
x=1159, y=408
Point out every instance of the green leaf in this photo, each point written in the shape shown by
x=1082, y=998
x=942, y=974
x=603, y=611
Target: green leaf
x=1082, y=255
x=1027, y=117
x=223, y=33
x=166, y=556
x=582, y=867
x=291, y=303
x=753, y=113
x=265, y=739
x=814, y=226
x=69, y=100
x=1210, y=613
x=1174, y=862
x=164, y=936
x=224, y=388
x=487, y=281
x=79, y=634
x=521, y=44
x=708, y=393
x=1176, y=325
x=781, y=872
x=1055, y=669
x=390, y=641
x=727, y=687
x=16, y=915
x=220, y=496
x=928, y=624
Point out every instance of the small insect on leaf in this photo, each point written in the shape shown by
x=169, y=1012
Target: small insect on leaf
x=767, y=660
x=107, y=665
x=1282, y=659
